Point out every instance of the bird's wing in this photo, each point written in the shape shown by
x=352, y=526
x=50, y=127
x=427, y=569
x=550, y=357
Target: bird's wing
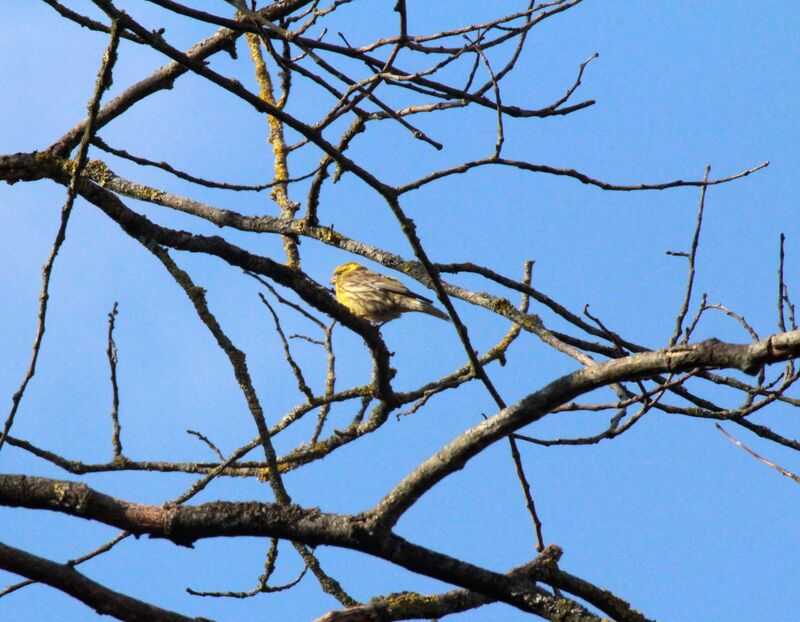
x=383, y=284
x=390, y=284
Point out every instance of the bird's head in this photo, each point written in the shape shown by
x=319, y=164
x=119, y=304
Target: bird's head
x=345, y=268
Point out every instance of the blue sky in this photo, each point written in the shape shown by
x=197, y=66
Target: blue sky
x=670, y=516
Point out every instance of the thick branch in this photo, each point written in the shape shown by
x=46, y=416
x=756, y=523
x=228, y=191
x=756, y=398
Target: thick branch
x=186, y=524
x=707, y=354
x=68, y=580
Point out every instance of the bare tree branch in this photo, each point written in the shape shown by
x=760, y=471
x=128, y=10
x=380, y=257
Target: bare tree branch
x=68, y=580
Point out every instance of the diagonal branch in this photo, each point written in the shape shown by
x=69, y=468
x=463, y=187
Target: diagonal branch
x=712, y=353
x=90, y=126
x=165, y=77
x=68, y=580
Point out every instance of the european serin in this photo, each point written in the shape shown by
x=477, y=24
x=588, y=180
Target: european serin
x=376, y=297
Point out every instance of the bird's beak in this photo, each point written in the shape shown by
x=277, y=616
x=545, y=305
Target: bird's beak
x=333, y=280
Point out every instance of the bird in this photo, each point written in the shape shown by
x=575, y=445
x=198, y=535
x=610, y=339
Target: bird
x=377, y=297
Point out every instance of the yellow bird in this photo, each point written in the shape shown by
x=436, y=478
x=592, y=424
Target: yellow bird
x=376, y=297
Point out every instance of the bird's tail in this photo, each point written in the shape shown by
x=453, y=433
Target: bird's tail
x=424, y=307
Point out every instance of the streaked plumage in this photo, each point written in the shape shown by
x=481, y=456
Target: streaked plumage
x=377, y=297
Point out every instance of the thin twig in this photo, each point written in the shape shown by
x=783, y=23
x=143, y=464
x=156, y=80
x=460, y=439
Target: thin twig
x=692, y=257
x=262, y=587
x=330, y=382
x=207, y=183
x=236, y=358
x=498, y=147
x=210, y=445
x=111, y=352
x=769, y=463
x=568, y=172
x=287, y=352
